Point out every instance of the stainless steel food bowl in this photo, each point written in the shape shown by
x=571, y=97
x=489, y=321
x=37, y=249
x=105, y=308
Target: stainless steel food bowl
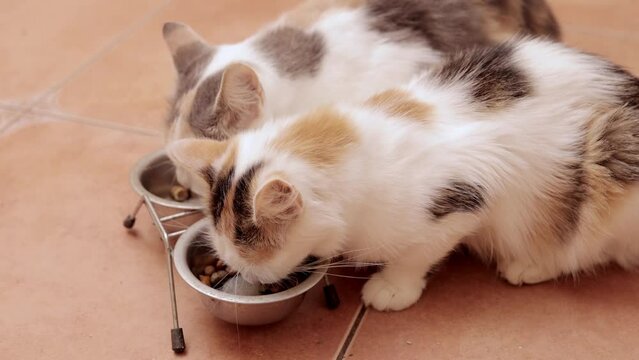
x=237, y=309
x=153, y=176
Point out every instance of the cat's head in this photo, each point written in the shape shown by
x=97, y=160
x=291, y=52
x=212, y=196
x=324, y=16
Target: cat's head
x=215, y=97
x=265, y=218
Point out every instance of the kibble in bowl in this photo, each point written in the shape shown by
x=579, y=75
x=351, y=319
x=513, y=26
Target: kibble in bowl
x=215, y=273
x=154, y=176
x=224, y=293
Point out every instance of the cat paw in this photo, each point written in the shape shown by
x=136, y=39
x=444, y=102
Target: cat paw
x=385, y=294
x=521, y=273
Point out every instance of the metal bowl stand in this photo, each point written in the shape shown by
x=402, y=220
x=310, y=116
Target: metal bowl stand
x=177, y=335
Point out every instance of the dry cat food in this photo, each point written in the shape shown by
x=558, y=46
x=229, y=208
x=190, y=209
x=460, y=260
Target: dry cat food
x=180, y=193
x=213, y=272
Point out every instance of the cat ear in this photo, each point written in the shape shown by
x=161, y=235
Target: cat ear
x=185, y=45
x=241, y=93
x=196, y=154
x=277, y=202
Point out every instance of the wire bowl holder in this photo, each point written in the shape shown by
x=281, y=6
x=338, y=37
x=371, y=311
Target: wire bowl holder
x=151, y=178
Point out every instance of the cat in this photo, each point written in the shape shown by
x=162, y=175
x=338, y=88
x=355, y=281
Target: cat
x=326, y=51
x=527, y=152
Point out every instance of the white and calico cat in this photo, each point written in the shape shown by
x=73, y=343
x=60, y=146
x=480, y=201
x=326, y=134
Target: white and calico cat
x=326, y=51
x=527, y=152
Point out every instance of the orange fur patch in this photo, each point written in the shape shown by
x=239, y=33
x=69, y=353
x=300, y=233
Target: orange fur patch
x=227, y=217
x=400, y=103
x=604, y=189
x=321, y=137
x=199, y=153
x=307, y=13
x=258, y=253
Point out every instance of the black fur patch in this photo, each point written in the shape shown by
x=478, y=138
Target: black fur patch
x=457, y=197
x=219, y=194
x=445, y=25
x=495, y=80
x=208, y=173
x=294, y=52
x=245, y=229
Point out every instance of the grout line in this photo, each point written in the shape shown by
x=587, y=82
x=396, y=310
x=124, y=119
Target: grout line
x=14, y=119
x=12, y=107
x=27, y=109
x=352, y=332
x=117, y=39
x=80, y=120
x=105, y=49
x=96, y=122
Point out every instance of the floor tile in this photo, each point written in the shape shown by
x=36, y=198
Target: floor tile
x=47, y=40
x=610, y=16
x=131, y=84
x=75, y=284
x=5, y=117
x=620, y=50
x=72, y=280
x=467, y=313
x=312, y=332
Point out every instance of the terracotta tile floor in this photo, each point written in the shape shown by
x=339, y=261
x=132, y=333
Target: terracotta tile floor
x=82, y=98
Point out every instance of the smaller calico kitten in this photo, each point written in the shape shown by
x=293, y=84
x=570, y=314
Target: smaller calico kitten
x=326, y=51
x=528, y=152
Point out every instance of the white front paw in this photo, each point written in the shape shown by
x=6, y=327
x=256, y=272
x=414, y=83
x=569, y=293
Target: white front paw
x=385, y=293
x=518, y=273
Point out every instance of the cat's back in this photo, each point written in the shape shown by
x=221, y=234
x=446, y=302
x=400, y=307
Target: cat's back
x=446, y=25
x=526, y=74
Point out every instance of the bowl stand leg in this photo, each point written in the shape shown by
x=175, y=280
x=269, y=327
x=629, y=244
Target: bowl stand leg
x=130, y=219
x=177, y=335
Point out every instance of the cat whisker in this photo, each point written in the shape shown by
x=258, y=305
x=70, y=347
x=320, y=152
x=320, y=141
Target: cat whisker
x=237, y=318
x=344, y=276
x=341, y=265
x=222, y=279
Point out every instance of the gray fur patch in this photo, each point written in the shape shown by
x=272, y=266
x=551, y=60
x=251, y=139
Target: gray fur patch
x=628, y=92
x=539, y=19
x=457, y=197
x=205, y=113
x=190, y=61
x=189, y=55
x=446, y=25
x=294, y=52
x=495, y=80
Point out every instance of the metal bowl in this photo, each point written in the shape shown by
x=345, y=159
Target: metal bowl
x=238, y=309
x=153, y=176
